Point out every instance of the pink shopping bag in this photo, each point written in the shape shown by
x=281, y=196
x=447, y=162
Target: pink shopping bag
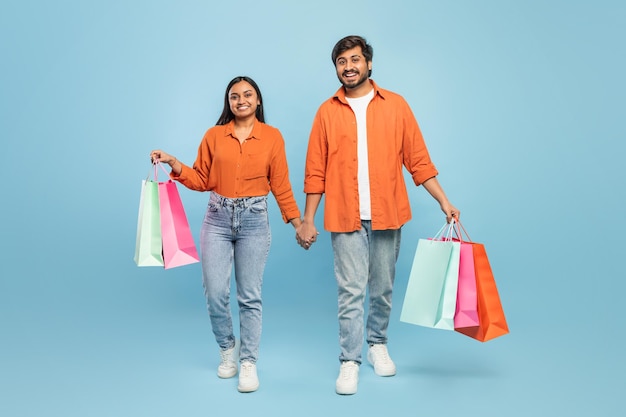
x=179, y=247
x=466, y=314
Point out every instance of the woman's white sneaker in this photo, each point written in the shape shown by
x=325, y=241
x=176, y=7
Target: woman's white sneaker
x=248, y=379
x=229, y=358
x=348, y=379
x=378, y=356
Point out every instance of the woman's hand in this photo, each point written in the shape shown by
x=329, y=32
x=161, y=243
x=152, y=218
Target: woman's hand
x=159, y=156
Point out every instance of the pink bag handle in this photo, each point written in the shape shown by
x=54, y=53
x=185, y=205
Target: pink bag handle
x=457, y=231
x=156, y=171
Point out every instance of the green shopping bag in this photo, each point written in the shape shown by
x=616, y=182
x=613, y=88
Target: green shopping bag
x=430, y=298
x=148, y=246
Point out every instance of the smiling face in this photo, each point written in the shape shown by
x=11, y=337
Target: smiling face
x=353, y=72
x=243, y=100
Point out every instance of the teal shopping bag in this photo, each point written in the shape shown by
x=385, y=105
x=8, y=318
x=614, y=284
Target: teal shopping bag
x=430, y=298
x=148, y=245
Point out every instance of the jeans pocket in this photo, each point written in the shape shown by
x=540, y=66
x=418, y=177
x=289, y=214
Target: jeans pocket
x=259, y=207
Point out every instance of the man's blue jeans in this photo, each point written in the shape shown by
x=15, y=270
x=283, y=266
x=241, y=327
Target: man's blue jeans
x=364, y=259
x=235, y=229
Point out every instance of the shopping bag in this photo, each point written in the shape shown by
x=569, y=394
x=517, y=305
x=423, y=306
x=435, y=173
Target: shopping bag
x=430, y=298
x=163, y=234
x=148, y=246
x=492, y=321
x=178, y=245
x=466, y=313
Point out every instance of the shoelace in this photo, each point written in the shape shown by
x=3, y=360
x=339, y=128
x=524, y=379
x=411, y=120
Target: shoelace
x=381, y=354
x=246, y=370
x=348, y=371
x=226, y=356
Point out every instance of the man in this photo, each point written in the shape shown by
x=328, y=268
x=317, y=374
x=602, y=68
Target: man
x=359, y=141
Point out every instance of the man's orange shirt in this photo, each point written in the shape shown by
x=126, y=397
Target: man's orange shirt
x=393, y=140
x=249, y=169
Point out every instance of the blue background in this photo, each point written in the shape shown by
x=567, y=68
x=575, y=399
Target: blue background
x=521, y=105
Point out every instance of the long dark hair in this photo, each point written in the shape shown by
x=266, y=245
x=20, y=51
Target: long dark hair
x=350, y=42
x=227, y=115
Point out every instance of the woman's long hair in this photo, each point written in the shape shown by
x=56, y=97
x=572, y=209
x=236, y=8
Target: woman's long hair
x=227, y=115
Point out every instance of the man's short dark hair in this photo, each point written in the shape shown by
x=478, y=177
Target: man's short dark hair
x=350, y=42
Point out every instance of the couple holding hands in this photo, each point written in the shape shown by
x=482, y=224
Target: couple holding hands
x=360, y=139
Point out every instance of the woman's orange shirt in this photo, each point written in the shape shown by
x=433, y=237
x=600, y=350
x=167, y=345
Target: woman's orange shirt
x=237, y=170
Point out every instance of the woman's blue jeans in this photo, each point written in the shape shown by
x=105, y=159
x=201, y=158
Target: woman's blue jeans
x=235, y=230
x=364, y=259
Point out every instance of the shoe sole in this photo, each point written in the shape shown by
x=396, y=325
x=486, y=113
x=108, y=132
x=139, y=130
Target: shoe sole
x=346, y=392
x=248, y=389
x=227, y=376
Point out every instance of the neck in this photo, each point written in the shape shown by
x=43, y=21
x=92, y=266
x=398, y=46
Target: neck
x=359, y=90
x=245, y=122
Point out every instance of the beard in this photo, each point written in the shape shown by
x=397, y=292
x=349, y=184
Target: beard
x=355, y=83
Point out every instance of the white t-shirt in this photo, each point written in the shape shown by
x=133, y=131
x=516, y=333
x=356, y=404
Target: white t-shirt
x=359, y=107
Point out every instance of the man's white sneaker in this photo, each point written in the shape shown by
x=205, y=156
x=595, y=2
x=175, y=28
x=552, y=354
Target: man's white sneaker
x=348, y=379
x=228, y=365
x=248, y=379
x=378, y=356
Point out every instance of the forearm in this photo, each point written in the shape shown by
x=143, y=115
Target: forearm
x=310, y=208
x=435, y=190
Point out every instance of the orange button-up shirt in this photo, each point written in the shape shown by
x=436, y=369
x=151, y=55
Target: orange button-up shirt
x=249, y=169
x=393, y=139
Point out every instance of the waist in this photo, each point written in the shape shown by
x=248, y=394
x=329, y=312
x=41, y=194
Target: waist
x=235, y=202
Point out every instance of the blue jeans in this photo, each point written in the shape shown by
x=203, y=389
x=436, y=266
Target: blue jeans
x=364, y=259
x=235, y=229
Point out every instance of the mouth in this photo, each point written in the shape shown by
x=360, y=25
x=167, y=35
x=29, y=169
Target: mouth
x=350, y=75
x=241, y=108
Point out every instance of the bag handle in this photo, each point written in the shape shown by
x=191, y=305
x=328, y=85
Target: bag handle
x=156, y=171
x=457, y=231
x=445, y=233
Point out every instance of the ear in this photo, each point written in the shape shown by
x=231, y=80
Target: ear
x=369, y=65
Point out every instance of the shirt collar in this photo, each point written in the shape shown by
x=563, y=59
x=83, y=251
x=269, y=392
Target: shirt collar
x=341, y=93
x=256, y=129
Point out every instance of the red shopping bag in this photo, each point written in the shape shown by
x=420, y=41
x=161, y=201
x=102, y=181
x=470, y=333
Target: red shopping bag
x=491, y=318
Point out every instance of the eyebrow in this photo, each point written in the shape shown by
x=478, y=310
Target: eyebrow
x=246, y=91
x=351, y=56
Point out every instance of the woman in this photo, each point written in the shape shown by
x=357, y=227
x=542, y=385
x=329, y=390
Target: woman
x=240, y=160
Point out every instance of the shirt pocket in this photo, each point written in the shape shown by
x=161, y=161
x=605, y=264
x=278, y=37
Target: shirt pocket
x=256, y=166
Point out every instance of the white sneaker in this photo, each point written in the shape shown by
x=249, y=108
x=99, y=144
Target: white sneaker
x=228, y=365
x=378, y=356
x=348, y=378
x=248, y=379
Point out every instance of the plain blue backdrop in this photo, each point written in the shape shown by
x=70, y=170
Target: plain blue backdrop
x=522, y=107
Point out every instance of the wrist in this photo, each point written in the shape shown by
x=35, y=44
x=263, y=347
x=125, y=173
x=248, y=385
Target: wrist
x=296, y=222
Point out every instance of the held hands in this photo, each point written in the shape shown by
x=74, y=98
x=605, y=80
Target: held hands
x=306, y=234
